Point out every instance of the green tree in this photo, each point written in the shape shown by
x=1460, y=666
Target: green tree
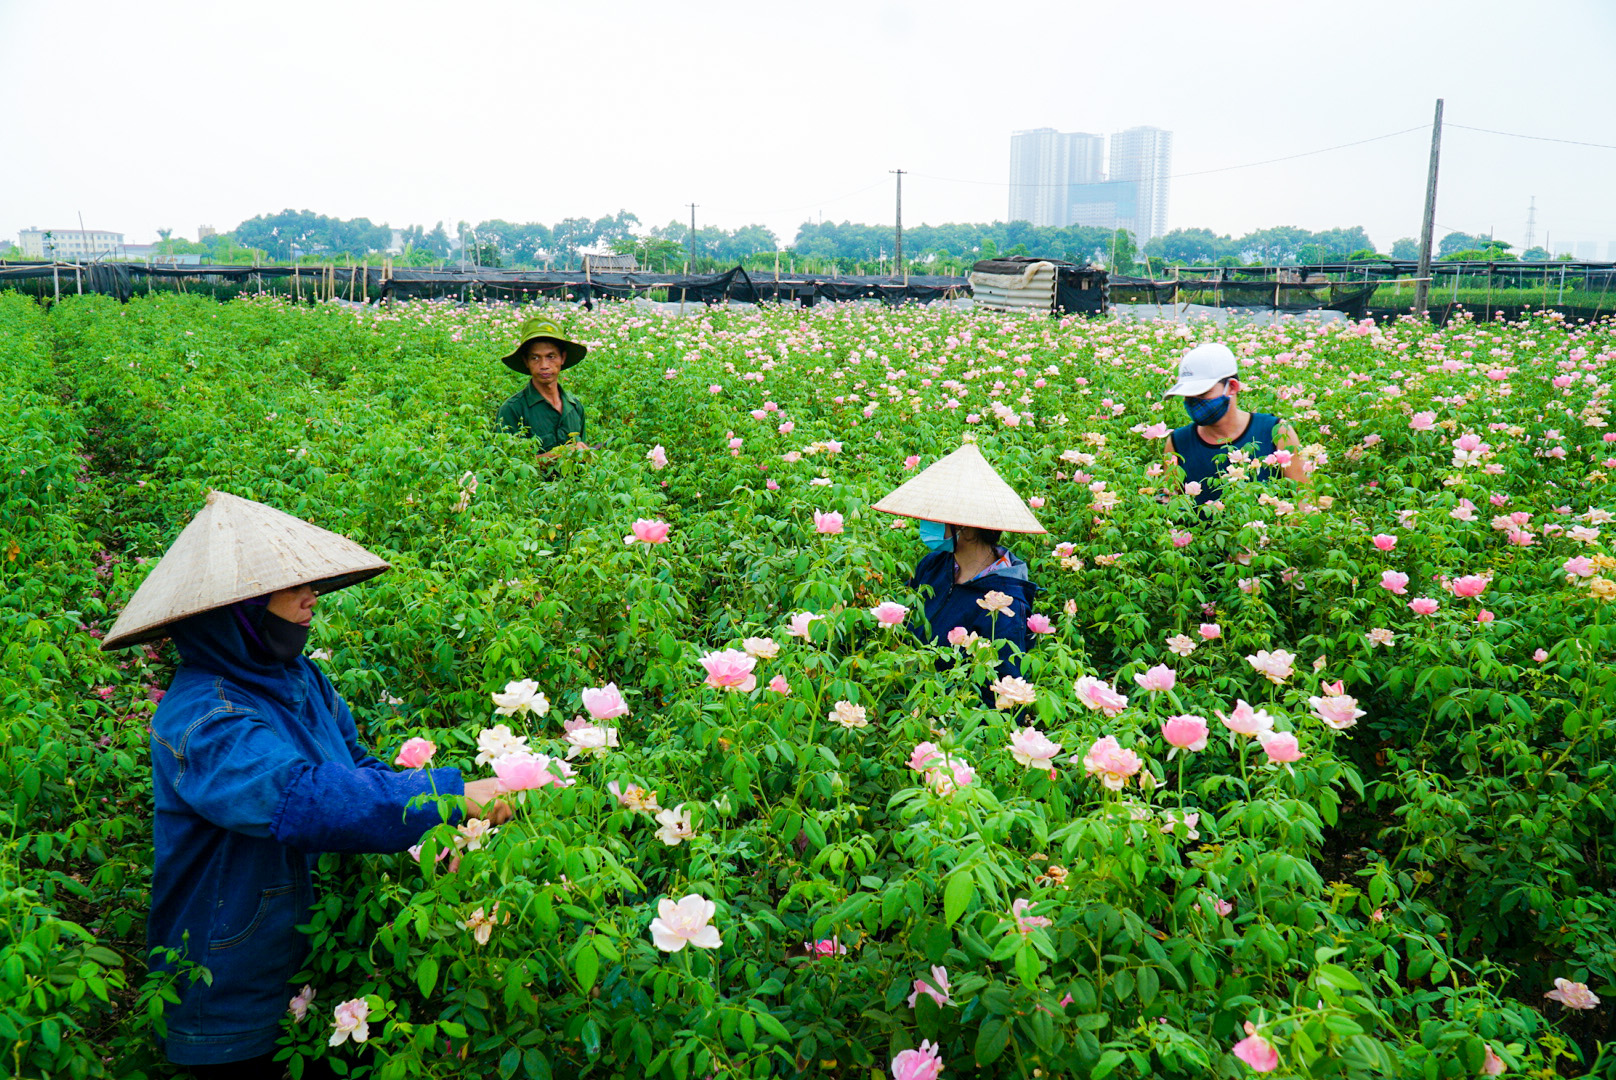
x=1458, y=241
x=1406, y=248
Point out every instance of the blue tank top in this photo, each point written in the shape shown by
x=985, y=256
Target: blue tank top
x=1201, y=461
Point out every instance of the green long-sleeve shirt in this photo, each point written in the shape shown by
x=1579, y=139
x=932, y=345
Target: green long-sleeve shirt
x=527, y=413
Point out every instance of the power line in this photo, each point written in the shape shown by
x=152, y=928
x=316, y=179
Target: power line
x=1535, y=138
x=1199, y=172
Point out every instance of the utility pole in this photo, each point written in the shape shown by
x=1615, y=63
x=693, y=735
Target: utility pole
x=1422, y=286
x=691, y=269
x=898, y=256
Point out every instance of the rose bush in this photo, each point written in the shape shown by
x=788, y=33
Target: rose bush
x=1377, y=863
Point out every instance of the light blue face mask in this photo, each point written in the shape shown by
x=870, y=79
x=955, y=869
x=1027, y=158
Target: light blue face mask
x=934, y=534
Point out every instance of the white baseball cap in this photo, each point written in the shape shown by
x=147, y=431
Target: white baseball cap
x=1202, y=368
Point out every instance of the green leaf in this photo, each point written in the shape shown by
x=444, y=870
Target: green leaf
x=1339, y=977
x=586, y=965
x=991, y=1040
x=1107, y=1064
x=426, y=976
x=957, y=895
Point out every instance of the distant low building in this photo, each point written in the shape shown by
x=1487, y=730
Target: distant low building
x=610, y=264
x=69, y=243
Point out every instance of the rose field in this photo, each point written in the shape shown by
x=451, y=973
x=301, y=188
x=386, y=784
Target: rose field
x=1317, y=783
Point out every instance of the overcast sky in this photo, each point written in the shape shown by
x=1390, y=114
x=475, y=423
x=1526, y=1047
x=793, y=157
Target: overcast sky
x=173, y=113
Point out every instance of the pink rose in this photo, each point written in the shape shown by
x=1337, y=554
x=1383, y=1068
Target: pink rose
x=646, y=531
x=1187, y=732
x=830, y=523
x=1211, y=631
x=922, y=1064
x=772, y=485
x=685, y=922
x=1110, y=763
x=1281, y=747
x=1423, y=605
x=779, y=685
x=924, y=756
x=911, y=461
x=604, y=702
x=888, y=613
x=299, y=1006
x=1422, y=421
x=1384, y=541
x=1032, y=749
x=1158, y=679
x=1540, y=656
x=957, y=636
x=415, y=753
x=1024, y=922
x=1040, y=624
x=1339, y=711
x=937, y=989
x=1180, y=538
x=1257, y=1051
x=1470, y=585
x=523, y=771
x=1098, y=696
x=351, y=1020
x=1394, y=582
x=1485, y=616
x=730, y=669
x=798, y=625
x=1036, y=502
x=1245, y=720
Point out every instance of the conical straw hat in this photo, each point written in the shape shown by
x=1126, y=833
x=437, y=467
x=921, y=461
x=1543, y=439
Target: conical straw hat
x=236, y=549
x=962, y=489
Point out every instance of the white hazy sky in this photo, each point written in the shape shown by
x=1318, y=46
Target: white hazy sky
x=174, y=113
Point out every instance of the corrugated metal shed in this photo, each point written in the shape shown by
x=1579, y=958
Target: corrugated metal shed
x=1031, y=288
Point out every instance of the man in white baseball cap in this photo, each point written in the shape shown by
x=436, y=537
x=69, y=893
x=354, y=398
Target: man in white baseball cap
x=1220, y=433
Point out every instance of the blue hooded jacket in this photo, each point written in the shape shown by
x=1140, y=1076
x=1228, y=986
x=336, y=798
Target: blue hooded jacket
x=256, y=769
x=950, y=604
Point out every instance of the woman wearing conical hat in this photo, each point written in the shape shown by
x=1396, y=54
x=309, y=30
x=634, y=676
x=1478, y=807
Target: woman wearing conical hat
x=972, y=583
x=256, y=769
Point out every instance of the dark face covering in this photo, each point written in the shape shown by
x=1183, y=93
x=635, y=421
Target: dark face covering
x=269, y=636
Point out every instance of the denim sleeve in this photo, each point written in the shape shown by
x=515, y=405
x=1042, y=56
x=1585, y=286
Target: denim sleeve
x=238, y=773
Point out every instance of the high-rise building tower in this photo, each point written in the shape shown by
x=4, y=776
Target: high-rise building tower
x=1044, y=164
x=1143, y=156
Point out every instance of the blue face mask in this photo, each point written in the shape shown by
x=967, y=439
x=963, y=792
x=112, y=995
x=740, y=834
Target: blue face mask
x=934, y=534
x=1207, y=411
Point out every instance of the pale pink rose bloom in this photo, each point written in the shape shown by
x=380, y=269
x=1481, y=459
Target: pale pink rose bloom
x=1112, y=764
x=1394, y=581
x=351, y=1020
x=1540, y=656
x=415, y=753
x=520, y=697
x=1098, y=696
x=825, y=947
x=1180, y=645
x=937, y=989
x=1380, y=636
x=1211, y=631
x=1573, y=995
x=911, y=461
x=730, y=669
x=1485, y=616
x=830, y=523
x=1422, y=421
x=1578, y=566
x=958, y=636
x=1423, y=605
x=646, y=531
x=1491, y=1063
x=1257, y=1051
x=686, y=922
x=949, y=774
x=1193, y=488
x=634, y=797
x=479, y=925
x=779, y=685
x=761, y=647
x=585, y=738
x=1024, y=922
x=604, y=702
x=925, y=1063
x=849, y=715
x=1384, y=541
x=1036, y=502
x=1156, y=431
x=787, y=428
x=1278, y=665
x=1470, y=585
x=889, y=613
x=771, y=485
x=299, y=1006
x=1186, y=732
x=496, y=742
x=924, y=756
x=676, y=827
x=525, y=771
x=798, y=624
x=1158, y=679
x=1009, y=692
x=1071, y=607
x=995, y=601
x=1281, y=747
x=1337, y=710
x=1032, y=749
x=1223, y=907
x=658, y=458
x=1039, y=624
x=1245, y=720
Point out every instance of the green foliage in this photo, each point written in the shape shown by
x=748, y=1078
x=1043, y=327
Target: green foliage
x=1399, y=899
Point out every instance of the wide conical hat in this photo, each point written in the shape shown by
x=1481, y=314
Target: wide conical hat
x=962, y=489
x=236, y=549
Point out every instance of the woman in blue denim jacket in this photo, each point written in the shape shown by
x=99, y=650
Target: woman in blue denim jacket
x=257, y=768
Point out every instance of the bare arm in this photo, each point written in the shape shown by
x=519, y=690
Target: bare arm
x=1285, y=439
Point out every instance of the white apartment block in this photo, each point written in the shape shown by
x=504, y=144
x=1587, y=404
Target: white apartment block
x=68, y=244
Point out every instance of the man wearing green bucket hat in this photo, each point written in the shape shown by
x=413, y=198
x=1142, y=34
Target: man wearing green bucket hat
x=542, y=410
